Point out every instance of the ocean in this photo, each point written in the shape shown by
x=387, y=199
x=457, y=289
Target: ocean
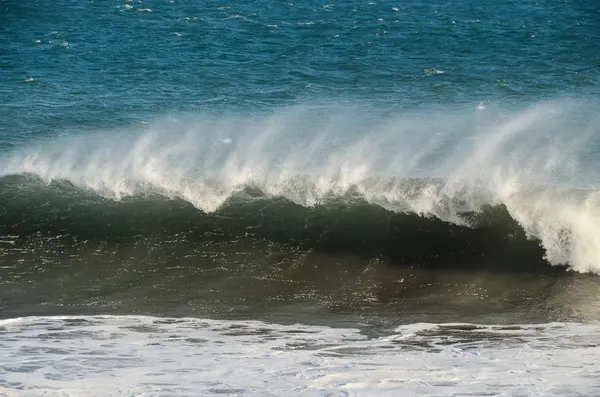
x=315, y=198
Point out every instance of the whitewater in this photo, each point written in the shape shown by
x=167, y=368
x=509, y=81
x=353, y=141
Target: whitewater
x=145, y=356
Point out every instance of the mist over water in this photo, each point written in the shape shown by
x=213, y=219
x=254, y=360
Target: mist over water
x=538, y=162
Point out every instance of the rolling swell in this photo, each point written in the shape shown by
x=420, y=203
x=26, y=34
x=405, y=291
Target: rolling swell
x=37, y=215
x=455, y=186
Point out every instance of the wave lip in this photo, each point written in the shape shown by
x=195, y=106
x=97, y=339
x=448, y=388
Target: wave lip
x=446, y=166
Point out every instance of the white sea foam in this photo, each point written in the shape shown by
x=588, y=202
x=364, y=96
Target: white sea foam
x=146, y=356
x=538, y=162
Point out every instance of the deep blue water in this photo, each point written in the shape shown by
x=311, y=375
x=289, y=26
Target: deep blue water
x=88, y=64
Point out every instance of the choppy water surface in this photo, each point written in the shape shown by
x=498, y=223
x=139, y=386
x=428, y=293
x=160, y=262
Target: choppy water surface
x=306, y=198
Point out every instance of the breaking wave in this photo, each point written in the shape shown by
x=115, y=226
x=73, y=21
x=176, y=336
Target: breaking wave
x=515, y=186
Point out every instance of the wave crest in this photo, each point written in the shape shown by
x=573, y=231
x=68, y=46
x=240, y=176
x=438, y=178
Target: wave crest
x=440, y=165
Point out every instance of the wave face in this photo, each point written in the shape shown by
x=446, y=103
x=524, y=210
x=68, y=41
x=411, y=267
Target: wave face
x=515, y=187
x=344, y=224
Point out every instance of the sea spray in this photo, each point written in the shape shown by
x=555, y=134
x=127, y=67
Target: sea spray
x=440, y=163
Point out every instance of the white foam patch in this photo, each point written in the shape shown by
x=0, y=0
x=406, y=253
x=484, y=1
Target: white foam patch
x=529, y=160
x=145, y=356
